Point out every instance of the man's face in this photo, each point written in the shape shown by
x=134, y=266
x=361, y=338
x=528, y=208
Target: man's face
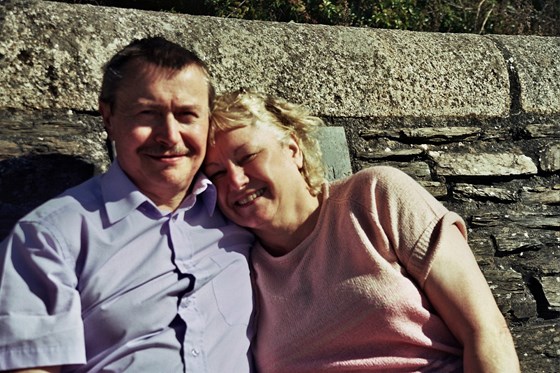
x=159, y=124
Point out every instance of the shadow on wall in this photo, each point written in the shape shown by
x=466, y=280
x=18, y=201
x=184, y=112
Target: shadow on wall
x=28, y=181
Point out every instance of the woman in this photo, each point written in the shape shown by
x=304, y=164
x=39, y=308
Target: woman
x=369, y=273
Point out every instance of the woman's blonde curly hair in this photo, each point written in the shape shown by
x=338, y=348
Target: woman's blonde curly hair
x=246, y=108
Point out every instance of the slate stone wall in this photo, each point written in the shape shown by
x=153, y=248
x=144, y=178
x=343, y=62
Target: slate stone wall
x=475, y=119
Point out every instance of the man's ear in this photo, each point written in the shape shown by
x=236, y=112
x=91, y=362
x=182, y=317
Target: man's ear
x=295, y=151
x=105, y=110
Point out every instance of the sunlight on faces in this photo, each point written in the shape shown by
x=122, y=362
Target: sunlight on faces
x=256, y=170
x=159, y=124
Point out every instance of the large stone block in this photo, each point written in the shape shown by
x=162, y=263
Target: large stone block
x=53, y=54
x=535, y=62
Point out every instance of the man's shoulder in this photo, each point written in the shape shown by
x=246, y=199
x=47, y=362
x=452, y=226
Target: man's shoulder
x=73, y=201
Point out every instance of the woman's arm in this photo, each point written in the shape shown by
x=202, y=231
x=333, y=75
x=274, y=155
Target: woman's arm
x=460, y=294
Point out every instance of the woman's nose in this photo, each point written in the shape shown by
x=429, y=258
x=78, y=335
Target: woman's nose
x=237, y=177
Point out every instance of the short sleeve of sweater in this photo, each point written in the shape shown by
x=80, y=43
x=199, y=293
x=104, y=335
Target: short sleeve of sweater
x=411, y=219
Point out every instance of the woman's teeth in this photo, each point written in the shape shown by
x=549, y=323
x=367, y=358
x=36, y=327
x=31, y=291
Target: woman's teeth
x=250, y=197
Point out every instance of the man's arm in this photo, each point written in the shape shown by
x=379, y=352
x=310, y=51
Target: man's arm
x=43, y=307
x=458, y=290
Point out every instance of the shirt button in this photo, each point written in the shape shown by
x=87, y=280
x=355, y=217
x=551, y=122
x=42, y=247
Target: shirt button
x=195, y=352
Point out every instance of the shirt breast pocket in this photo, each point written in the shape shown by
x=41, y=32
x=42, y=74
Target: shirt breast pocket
x=232, y=290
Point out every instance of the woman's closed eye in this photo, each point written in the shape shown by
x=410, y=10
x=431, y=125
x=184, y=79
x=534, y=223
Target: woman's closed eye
x=214, y=175
x=246, y=158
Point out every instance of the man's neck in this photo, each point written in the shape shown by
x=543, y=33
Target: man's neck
x=168, y=202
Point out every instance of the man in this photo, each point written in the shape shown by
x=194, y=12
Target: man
x=135, y=269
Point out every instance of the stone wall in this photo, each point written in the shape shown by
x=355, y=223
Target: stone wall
x=475, y=119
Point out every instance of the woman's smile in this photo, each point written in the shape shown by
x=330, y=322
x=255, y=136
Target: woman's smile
x=250, y=198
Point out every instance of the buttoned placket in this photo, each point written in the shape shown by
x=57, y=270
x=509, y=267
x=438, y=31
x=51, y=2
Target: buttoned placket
x=188, y=310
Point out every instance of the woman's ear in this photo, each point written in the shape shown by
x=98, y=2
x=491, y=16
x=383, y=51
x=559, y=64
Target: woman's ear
x=295, y=151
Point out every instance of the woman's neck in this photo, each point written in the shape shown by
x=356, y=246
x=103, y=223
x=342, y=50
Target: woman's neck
x=279, y=241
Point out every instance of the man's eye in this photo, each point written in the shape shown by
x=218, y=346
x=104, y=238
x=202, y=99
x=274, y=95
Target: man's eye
x=186, y=117
x=149, y=112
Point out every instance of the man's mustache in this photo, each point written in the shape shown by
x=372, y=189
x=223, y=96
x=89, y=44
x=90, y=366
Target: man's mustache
x=162, y=151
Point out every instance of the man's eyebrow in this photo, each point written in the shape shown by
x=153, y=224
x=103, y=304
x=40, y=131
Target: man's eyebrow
x=152, y=103
x=141, y=102
x=195, y=107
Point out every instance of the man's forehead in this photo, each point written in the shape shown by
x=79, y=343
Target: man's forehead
x=142, y=68
x=143, y=74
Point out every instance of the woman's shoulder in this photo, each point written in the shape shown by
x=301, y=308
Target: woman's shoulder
x=381, y=173
x=380, y=186
x=375, y=176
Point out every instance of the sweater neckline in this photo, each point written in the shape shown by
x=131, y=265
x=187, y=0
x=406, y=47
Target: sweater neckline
x=299, y=250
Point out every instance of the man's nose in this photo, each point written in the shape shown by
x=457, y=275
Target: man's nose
x=168, y=131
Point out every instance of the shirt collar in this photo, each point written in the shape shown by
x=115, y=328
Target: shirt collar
x=204, y=188
x=121, y=195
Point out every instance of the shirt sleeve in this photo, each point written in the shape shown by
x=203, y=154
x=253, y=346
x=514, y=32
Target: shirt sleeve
x=40, y=311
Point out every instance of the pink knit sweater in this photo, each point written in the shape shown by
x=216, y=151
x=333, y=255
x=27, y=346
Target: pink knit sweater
x=349, y=298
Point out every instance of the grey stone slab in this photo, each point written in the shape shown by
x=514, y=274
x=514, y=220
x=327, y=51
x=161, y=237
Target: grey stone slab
x=543, y=130
x=335, y=152
x=482, y=246
x=545, y=261
x=390, y=153
x=54, y=132
x=528, y=219
x=436, y=189
x=541, y=195
x=416, y=170
x=549, y=157
x=551, y=288
x=510, y=292
x=465, y=191
x=515, y=239
x=482, y=164
x=425, y=134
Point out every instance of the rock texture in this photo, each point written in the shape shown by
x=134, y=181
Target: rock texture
x=475, y=119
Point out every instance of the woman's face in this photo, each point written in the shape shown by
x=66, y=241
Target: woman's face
x=257, y=177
